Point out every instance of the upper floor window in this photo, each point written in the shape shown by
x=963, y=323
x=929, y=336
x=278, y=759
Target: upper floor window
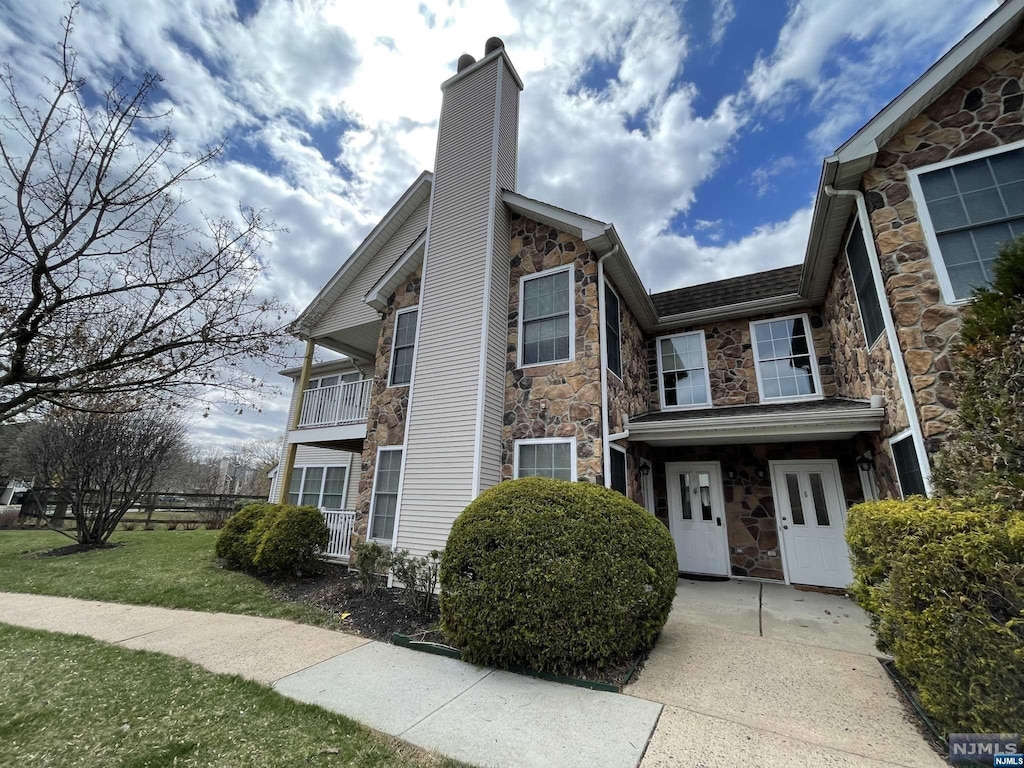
x=908, y=469
x=683, y=371
x=612, y=330
x=318, y=487
x=864, y=285
x=403, y=347
x=970, y=208
x=330, y=381
x=784, y=358
x=546, y=457
x=545, y=317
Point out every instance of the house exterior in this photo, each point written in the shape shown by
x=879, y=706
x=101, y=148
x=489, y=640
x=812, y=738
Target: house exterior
x=489, y=335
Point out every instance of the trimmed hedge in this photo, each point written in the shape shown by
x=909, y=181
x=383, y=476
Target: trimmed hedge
x=555, y=576
x=944, y=580
x=279, y=540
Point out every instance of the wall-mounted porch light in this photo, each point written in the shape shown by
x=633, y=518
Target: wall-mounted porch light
x=866, y=462
x=645, y=469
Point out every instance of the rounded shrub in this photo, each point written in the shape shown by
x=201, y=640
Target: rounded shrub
x=291, y=540
x=235, y=542
x=555, y=576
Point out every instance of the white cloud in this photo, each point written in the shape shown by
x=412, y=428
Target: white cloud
x=722, y=14
x=763, y=175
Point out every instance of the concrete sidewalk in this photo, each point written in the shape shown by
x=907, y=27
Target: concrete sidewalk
x=474, y=714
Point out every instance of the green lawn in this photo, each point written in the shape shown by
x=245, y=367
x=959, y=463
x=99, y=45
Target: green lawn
x=66, y=700
x=174, y=569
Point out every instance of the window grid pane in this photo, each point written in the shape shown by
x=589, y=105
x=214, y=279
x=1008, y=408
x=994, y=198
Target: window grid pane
x=312, y=477
x=683, y=375
x=907, y=468
x=795, y=501
x=552, y=460
x=975, y=208
x=618, y=469
x=864, y=284
x=784, y=358
x=334, y=488
x=385, y=494
x=405, y=342
x=546, y=318
x=612, y=331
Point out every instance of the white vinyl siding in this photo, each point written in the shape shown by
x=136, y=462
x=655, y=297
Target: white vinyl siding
x=384, y=504
x=970, y=207
x=403, y=347
x=546, y=317
x=683, y=379
x=546, y=457
x=784, y=359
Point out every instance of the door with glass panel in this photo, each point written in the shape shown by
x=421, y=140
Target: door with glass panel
x=696, y=516
x=811, y=516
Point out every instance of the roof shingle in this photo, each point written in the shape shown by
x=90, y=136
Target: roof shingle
x=735, y=290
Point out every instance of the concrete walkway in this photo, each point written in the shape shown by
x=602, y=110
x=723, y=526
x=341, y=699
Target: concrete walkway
x=478, y=715
x=763, y=674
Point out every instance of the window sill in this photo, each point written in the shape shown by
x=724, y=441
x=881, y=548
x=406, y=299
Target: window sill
x=799, y=399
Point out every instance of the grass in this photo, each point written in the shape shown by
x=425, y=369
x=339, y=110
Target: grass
x=66, y=700
x=173, y=569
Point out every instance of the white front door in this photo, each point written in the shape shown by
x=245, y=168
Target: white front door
x=696, y=516
x=811, y=516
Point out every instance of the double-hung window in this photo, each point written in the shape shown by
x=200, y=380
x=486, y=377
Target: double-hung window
x=683, y=371
x=617, y=462
x=612, y=330
x=318, y=487
x=864, y=285
x=546, y=317
x=908, y=469
x=784, y=358
x=403, y=347
x=384, y=507
x=970, y=208
x=546, y=457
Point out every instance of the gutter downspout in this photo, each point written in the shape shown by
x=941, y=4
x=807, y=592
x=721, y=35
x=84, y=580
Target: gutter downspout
x=902, y=377
x=605, y=450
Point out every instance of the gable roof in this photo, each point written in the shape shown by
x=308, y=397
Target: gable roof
x=379, y=235
x=772, y=284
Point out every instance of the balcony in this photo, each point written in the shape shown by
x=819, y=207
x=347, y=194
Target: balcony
x=334, y=416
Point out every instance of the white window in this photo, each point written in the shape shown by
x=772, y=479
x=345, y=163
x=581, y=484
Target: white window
x=683, y=371
x=784, y=359
x=618, y=469
x=318, y=487
x=384, y=504
x=864, y=285
x=612, y=330
x=403, y=347
x=908, y=468
x=970, y=207
x=546, y=457
x=546, y=317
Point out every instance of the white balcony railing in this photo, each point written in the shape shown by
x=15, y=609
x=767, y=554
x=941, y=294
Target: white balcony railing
x=339, y=525
x=340, y=404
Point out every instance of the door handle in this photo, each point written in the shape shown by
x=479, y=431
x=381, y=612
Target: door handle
x=719, y=520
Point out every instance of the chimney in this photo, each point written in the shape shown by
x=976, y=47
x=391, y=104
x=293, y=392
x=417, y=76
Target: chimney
x=453, y=430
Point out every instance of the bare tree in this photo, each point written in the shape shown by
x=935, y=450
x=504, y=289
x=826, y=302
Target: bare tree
x=102, y=462
x=111, y=288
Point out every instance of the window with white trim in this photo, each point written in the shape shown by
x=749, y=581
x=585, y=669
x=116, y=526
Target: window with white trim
x=908, y=469
x=683, y=371
x=617, y=465
x=546, y=317
x=864, y=285
x=548, y=457
x=784, y=358
x=612, y=330
x=318, y=487
x=384, y=505
x=971, y=208
x=403, y=347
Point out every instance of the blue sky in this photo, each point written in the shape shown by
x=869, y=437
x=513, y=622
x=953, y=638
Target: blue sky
x=698, y=127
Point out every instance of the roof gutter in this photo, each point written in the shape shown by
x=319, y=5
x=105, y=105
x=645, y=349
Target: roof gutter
x=899, y=364
x=761, y=421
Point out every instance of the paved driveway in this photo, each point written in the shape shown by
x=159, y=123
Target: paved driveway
x=763, y=674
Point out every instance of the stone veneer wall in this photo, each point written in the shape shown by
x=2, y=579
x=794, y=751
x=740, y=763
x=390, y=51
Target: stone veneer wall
x=560, y=399
x=385, y=422
x=749, y=504
x=983, y=110
x=731, y=359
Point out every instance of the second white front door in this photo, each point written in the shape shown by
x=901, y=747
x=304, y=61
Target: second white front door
x=697, y=517
x=811, y=515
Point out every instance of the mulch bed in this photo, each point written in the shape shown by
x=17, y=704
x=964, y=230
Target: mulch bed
x=376, y=616
x=74, y=549
x=385, y=612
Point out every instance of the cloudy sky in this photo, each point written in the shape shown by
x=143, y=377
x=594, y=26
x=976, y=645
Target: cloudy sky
x=698, y=127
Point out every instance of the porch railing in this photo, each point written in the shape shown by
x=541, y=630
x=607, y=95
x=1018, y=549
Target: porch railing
x=339, y=526
x=338, y=404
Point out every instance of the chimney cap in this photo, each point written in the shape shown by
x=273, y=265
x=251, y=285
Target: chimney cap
x=465, y=60
x=493, y=44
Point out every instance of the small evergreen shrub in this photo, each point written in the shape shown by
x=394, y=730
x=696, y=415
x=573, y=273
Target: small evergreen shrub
x=555, y=576
x=235, y=542
x=291, y=540
x=372, y=562
x=419, y=575
x=944, y=580
x=172, y=525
